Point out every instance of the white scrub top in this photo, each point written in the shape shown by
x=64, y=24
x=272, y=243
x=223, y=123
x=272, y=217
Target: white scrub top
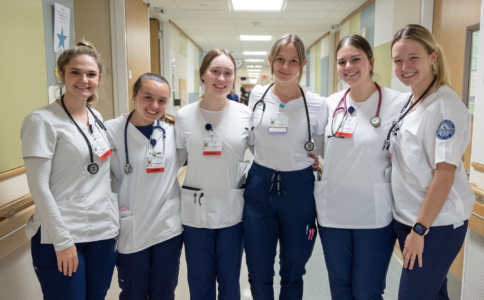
x=439, y=130
x=285, y=152
x=86, y=206
x=152, y=198
x=211, y=193
x=355, y=190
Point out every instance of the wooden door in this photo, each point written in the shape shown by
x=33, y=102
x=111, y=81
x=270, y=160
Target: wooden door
x=137, y=41
x=154, y=46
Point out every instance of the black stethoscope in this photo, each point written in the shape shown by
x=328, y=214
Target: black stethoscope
x=375, y=121
x=151, y=147
x=395, y=125
x=92, y=168
x=309, y=145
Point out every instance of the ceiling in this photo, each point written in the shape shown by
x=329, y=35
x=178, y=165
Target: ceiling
x=214, y=24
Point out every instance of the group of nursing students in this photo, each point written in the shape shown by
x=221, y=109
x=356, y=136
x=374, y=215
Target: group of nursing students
x=107, y=194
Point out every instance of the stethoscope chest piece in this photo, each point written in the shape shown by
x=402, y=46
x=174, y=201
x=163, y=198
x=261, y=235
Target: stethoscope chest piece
x=128, y=169
x=375, y=121
x=93, y=168
x=153, y=142
x=309, y=146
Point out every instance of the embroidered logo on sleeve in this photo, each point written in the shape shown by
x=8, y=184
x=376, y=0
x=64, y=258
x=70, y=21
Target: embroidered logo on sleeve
x=446, y=130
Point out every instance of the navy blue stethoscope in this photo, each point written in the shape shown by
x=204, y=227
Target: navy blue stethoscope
x=151, y=148
x=375, y=121
x=309, y=145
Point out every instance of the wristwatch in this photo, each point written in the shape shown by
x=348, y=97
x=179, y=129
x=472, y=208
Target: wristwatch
x=420, y=229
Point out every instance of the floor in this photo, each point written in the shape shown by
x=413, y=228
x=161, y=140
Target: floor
x=316, y=285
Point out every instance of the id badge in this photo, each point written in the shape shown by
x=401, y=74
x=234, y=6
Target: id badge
x=99, y=146
x=347, y=129
x=279, y=124
x=212, y=147
x=154, y=164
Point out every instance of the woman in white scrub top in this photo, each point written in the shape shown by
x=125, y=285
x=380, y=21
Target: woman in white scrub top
x=67, y=151
x=279, y=201
x=213, y=133
x=433, y=197
x=144, y=174
x=354, y=199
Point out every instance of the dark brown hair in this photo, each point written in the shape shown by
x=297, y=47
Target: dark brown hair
x=168, y=118
x=209, y=57
x=359, y=43
x=82, y=48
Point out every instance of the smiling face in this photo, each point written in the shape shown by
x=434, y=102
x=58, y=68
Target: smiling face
x=219, y=76
x=150, y=101
x=354, y=67
x=412, y=63
x=286, y=65
x=81, y=77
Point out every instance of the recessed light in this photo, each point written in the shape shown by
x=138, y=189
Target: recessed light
x=255, y=52
x=250, y=66
x=255, y=37
x=272, y=5
x=258, y=66
x=254, y=60
x=253, y=81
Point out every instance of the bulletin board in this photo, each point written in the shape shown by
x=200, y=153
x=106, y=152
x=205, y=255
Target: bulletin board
x=23, y=79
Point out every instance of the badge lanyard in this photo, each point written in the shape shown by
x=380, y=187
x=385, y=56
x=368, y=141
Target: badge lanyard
x=394, y=129
x=309, y=145
x=151, y=147
x=92, y=168
x=375, y=121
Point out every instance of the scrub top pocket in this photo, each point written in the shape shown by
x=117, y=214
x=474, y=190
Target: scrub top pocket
x=170, y=213
x=415, y=173
x=127, y=238
x=383, y=203
x=74, y=213
x=237, y=199
x=191, y=207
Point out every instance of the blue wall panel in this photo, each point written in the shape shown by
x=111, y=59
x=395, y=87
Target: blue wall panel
x=192, y=97
x=324, y=75
x=368, y=20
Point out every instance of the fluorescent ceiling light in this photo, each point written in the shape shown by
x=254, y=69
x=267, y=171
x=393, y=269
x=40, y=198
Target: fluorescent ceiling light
x=258, y=66
x=250, y=66
x=255, y=37
x=255, y=52
x=252, y=81
x=253, y=71
x=254, y=60
x=272, y=5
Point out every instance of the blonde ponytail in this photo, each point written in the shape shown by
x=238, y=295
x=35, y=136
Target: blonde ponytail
x=440, y=68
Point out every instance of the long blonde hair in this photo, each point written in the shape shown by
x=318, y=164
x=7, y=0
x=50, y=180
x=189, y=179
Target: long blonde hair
x=423, y=36
x=82, y=48
x=289, y=38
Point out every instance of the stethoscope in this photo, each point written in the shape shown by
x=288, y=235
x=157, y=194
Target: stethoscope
x=375, y=121
x=396, y=124
x=309, y=145
x=92, y=168
x=151, y=147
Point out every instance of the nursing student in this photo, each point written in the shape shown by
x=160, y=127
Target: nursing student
x=354, y=198
x=213, y=133
x=67, y=152
x=279, y=201
x=433, y=198
x=144, y=174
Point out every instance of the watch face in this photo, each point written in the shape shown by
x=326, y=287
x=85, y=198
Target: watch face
x=419, y=229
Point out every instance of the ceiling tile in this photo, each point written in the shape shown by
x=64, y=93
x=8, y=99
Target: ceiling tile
x=263, y=22
x=179, y=21
x=166, y=4
x=219, y=33
x=311, y=6
x=338, y=16
x=200, y=14
x=253, y=30
x=296, y=23
x=329, y=22
x=304, y=15
x=225, y=27
x=187, y=27
x=297, y=29
x=348, y=6
x=203, y=5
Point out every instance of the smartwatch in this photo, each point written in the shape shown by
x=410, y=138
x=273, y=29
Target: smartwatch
x=420, y=229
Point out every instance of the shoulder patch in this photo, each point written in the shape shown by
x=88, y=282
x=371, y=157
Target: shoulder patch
x=446, y=130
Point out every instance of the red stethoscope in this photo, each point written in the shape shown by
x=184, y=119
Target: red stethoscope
x=375, y=121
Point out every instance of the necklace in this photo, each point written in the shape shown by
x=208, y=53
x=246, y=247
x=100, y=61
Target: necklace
x=278, y=95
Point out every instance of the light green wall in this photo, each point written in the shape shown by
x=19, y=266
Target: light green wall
x=317, y=68
x=355, y=24
x=383, y=65
x=196, y=81
x=23, y=80
x=183, y=45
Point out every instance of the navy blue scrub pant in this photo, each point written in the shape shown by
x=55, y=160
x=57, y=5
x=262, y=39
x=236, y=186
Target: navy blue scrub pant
x=92, y=279
x=441, y=246
x=279, y=206
x=151, y=273
x=357, y=261
x=214, y=255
